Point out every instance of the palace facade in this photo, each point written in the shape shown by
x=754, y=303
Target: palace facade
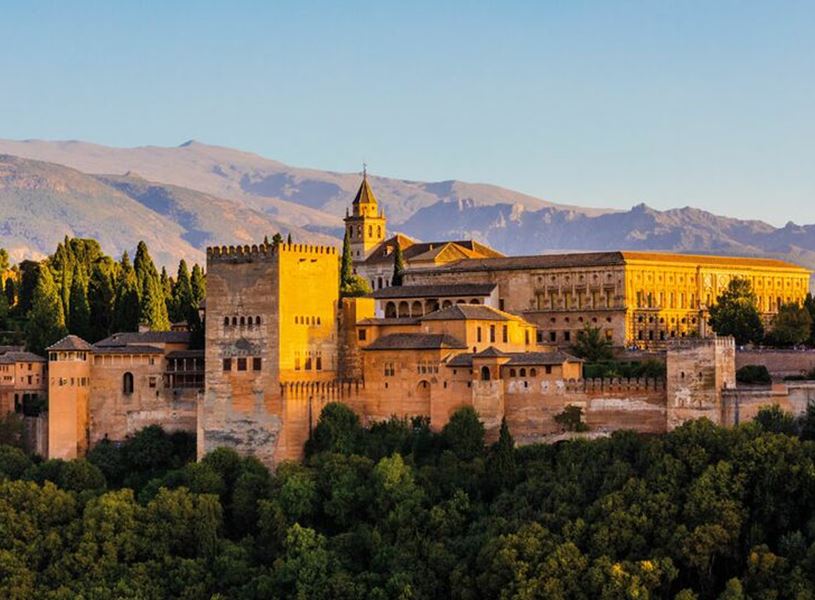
x=468, y=327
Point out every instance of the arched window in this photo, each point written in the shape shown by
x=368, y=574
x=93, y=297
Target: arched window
x=485, y=373
x=234, y=321
x=533, y=372
x=522, y=373
x=446, y=304
x=404, y=309
x=416, y=309
x=243, y=321
x=257, y=320
x=226, y=321
x=390, y=310
x=379, y=231
x=379, y=283
x=512, y=372
x=370, y=231
x=127, y=383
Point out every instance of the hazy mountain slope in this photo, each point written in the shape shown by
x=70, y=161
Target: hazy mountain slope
x=294, y=195
x=516, y=231
x=41, y=203
x=206, y=219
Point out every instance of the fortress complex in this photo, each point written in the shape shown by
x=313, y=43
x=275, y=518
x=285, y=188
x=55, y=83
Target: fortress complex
x=468, y=327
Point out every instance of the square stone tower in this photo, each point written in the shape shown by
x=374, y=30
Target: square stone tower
x=270, y=319
x=699, y=369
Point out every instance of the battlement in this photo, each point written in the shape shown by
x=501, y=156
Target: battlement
x=692, y=343
x=264, y=251
x=596, y=386
x=321, y=390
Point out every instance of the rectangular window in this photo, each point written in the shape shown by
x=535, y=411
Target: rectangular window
x=548, y=369
x=478, y=334
x=552, y=336
x=296, y=361
x=227, y=364
x=308, y=362
x=241, y=364
x=256, y=363
x=361, y=334
x=500, y=304
x=492, y=334
x=319, y=362
x=151, y=382
x=567, y=336
x=526, y=337
x=506, y=334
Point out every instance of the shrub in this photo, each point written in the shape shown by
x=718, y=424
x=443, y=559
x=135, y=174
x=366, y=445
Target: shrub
x=754, y=375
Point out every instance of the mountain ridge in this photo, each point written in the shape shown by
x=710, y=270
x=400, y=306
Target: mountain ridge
x=214, y=194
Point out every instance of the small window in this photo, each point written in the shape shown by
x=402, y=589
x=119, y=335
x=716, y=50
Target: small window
x=362, y=334
x=522, y=373
x=127, y=383
x=567, y=336
x=226, y=321
x=478, y=334
x=256, y=363
x=492, y=334
x=512, y=372
x=505, y=334
x=152, y=382
x=548, y=369
x=227, y=364
x=257, y=320
x=533, y=372
x=241, y=364
x=319, y=362
x=552, y=336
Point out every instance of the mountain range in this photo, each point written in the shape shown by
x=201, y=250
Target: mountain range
x=181, y=199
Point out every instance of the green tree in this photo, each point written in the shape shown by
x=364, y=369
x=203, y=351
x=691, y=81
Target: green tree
x=10, y=290
x=182, y=299
x=571, y=419
x=126, y=307
x=355, y=287
x=502, y=469
x=338, y=430
x=198, y=283
x=29, y=274
x=791, y=325
x=735, y=313
x=346, y=264
x=152, y=301
x=277, y=239
x=288, y=238
x=464, y=434
x=79, y=318
x=46, y=321
x=398, y=265
x=101, y=299
x=592, y=345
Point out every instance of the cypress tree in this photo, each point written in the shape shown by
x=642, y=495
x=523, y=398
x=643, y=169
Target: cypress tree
x=29, y=274
x=79, y=317
x=346, y=266
x=46, y=320
x=126, y=307
x=277, y=239
x=101, y=299
x=4, y=308
x=501, y=465
x=152, y=306
x=288, y=238
x=398, y=265
x=10, y=292
x=183, y=302
x=199, y=285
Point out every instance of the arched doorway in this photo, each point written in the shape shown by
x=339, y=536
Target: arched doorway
x=423, y=398
x=485, y=373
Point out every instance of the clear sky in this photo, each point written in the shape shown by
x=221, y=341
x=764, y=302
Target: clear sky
x=607, y=103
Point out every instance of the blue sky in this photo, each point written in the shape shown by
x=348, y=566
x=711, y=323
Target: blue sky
x=708, y=104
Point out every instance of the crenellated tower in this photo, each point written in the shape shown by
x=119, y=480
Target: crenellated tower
x=365, y=225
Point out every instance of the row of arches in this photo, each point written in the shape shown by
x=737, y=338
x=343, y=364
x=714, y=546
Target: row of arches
x=417, y=308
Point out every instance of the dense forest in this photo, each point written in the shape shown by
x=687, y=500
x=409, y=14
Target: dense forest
x=398, y=511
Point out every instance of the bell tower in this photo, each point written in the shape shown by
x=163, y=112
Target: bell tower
x=365, y=226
